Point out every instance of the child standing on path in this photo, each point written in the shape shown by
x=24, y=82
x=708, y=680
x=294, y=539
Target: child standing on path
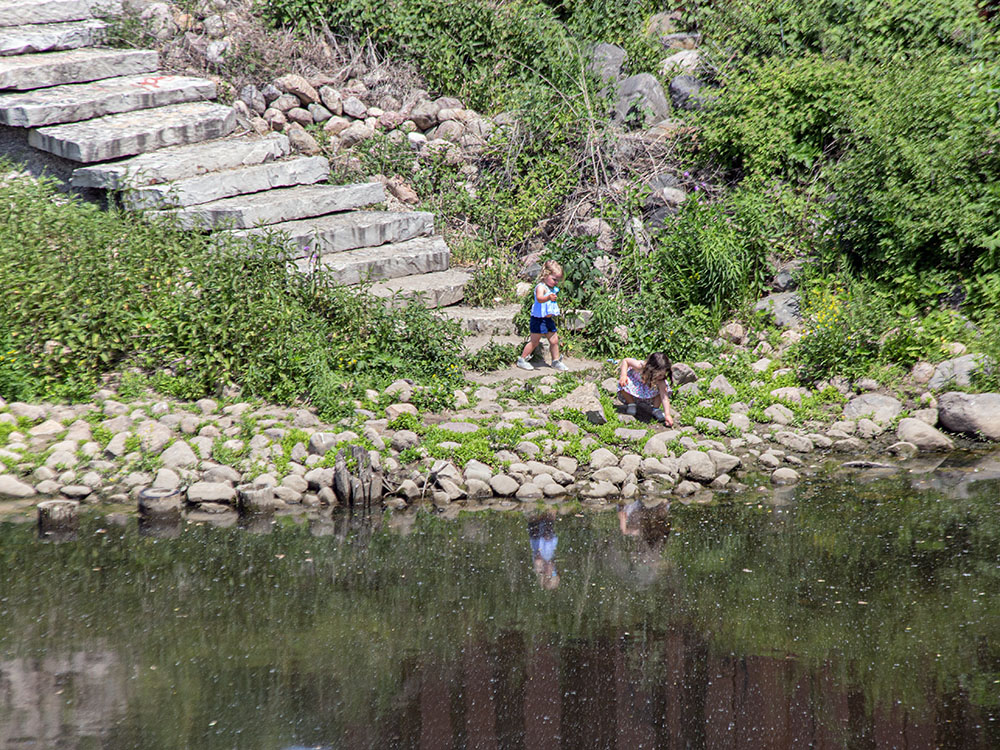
x=646, y=383
x=543, y=312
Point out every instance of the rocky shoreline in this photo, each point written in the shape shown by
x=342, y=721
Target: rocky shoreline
x=547, y=439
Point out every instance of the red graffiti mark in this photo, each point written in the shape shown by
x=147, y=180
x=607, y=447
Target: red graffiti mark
x=153, y=82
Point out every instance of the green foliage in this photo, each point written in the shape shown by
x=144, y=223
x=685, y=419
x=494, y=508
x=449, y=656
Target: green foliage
x=84, y=292
x=493, y=357
x=493, y=282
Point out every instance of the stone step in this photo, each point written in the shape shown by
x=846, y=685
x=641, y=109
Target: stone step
x=348, y=231
x=489, y=320
x=433, y=289
x=480, y=341
x=418, y=256
x=84, y=101
x=129, y=133
x=214, y=186
x=182, y=162
x=50, y=37
x=21, y=12
x=37, y=71
x=274, y=206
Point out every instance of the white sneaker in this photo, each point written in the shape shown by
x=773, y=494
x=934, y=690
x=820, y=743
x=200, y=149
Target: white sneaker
x=524, y=364
x=658, y=414
x=630, y=409
x=558, y=365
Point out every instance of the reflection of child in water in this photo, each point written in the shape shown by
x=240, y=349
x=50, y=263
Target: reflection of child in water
x=652, y=527
x=543, y=540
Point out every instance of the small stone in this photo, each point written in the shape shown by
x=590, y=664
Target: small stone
x=529, y=491
x=503, y=485
x=394, y=410
x=784, y=476
x=612, y=474
x=602, y=458
x=166, y=479
x=179, y=455
x=903, y=449
x=211, y=492
x=923, y=435
x=721, y=385
x=686, y=488
x=779, y=414
x=404, y=439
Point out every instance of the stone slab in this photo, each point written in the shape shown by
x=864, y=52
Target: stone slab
x=498, y=320
x=181, y=162
x=337, y=233
x=84, y=101
x=50, y=37
x=21, y=12
x=275, y=206
x=417, y=256
x=227, y=183
x=25, y=72
x=130, y=133
x=438, y=289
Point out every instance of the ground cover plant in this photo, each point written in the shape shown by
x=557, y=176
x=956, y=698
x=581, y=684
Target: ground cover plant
x=85, y=292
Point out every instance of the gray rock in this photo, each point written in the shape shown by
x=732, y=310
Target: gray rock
x=11, y=486
x=611, y=474
x=784, y=476
x=723, y=462
x=903, y=449
x=584, y=398
x=683, y=374
x=794, y=442
x=687, y=92
x=698, y=466
x=166, y=479
x=721, y=385
x=503, y=485
x=779, y=414
x=705, y=424
x=769, y=461
x=642, y=95
x=319, y=478
x=686, y=488
x=599, y=490
x=179, y=456
x=529, y=491
x=975, y=414
x=404, y=439
x=76, y=491
x=957, y=372
x=211, y=492
x=783, y=308
x=606, y=62
x=868, y=428
x=922, y=435
x=153, y=436
x=602, y=458
x=877, y=406
x=848, y=445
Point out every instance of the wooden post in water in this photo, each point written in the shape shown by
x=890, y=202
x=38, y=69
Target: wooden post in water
x=58, y=519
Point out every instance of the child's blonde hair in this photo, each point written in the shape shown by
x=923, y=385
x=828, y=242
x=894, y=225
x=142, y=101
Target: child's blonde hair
x=550, y=267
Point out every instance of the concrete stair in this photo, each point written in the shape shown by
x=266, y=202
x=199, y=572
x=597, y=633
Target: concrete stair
x=480, y=341
x=131, y=133
x=23, y=12
x=437, y=289
x=84, y=101
x=337, y=233
x=182, y=162
x=214, y=186
x=25, y=72
x=422, y=255
x=50, y=37
x=485, y=320
x=107, y=119
x=283, y=204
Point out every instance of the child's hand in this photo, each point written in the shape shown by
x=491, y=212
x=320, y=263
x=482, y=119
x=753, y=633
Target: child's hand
x=667, y=419
x=623, y=380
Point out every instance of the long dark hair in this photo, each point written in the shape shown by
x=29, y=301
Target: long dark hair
x=657, y=364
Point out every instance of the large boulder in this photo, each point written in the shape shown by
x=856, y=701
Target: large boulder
x=643, y=95
x=606, y=62
x=877, y=406
x=975, y=414
x=584, y=398
x=783, y=308
x=922, y=435
x=957, y=372
x=698, y=466
x=687, y=92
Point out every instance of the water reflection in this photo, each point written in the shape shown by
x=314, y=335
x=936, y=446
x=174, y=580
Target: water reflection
x=543, y=541
x=856, y=616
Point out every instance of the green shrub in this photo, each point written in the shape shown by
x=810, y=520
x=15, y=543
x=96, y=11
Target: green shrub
x=85, y=292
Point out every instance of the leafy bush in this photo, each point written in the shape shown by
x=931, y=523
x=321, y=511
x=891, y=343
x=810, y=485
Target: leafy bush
x=84, y=292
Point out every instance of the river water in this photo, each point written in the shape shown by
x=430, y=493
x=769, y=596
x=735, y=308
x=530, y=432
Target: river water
x=845, y=613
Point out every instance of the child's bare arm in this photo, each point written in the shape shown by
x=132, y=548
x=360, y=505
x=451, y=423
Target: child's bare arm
x=541, y=296
x=626, y=363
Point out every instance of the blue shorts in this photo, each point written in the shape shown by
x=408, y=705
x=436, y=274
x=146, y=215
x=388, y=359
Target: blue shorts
x=542, y=325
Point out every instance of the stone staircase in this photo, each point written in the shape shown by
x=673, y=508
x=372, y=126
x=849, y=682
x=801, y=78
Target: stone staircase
x=109, y=120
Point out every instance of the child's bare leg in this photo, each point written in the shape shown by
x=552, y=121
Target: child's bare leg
x=554, y=345
x=625, y=396
x=533, y=340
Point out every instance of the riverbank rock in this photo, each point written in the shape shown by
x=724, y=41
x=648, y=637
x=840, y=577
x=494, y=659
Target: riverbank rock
x=14, y=487
x=877, y=406
x=922, y=435
x=976, y=414
x=956, y=372
x=584, y=398
x=784, y=309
